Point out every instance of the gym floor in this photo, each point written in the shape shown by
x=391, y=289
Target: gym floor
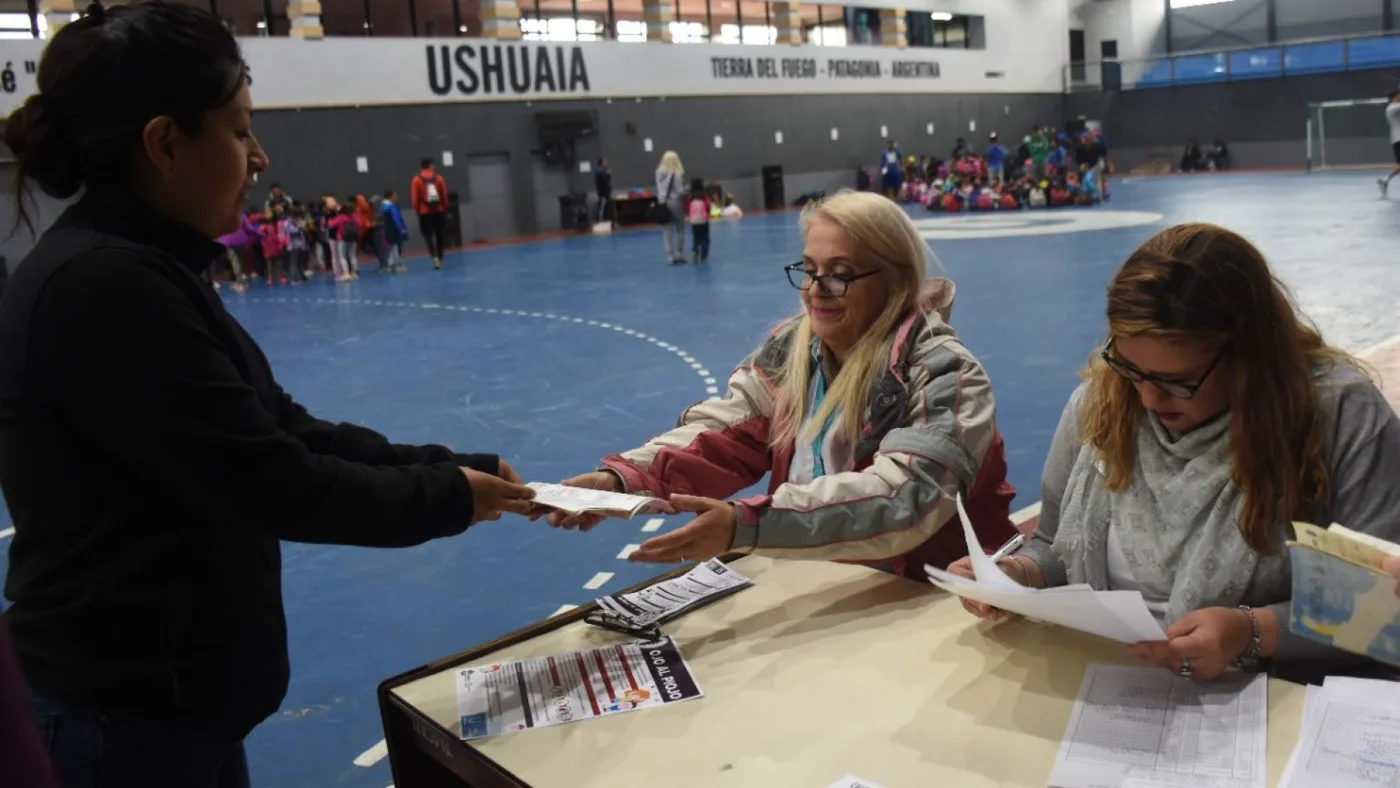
x=557, y=352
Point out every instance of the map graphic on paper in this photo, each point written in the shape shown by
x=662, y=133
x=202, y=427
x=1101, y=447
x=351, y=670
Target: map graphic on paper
x=1340, y=596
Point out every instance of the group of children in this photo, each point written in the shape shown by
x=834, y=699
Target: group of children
x=289, y=243
x=1049, y=169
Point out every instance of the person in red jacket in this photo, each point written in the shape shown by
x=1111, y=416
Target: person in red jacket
x=429, y=194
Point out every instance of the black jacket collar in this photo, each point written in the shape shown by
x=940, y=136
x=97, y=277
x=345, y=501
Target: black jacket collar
x=124, y=215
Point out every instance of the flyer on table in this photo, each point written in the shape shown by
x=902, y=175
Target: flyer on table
x=508, y=697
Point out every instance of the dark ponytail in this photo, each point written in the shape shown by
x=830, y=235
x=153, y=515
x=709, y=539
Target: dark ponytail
x=102, y=79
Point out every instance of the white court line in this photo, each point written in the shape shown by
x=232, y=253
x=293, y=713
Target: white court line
x=598, y=581
x=1026, y=514
x=628, y=550
x=373, y=755
x=653, y=524
x=7, y=533
x=562, y=610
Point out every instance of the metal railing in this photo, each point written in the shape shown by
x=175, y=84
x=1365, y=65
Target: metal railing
x=1237, y=64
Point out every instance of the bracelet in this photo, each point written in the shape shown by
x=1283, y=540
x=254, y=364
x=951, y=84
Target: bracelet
x=1251, y=653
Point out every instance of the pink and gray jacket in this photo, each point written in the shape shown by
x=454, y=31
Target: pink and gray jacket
x=929, y=432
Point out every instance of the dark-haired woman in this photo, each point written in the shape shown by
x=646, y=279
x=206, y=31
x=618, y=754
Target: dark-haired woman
x=150, y=459
x=1214, y=417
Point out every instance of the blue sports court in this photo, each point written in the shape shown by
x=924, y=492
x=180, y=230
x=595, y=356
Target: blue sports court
x=557, y=352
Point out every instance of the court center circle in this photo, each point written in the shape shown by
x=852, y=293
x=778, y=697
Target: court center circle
x=1013, y=224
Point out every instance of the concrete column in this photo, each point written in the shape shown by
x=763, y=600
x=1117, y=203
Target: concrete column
x=58, y=13
x=787, y=18
x=305, y=18
x=500, y=19
x=893, y=28
x=659, y=14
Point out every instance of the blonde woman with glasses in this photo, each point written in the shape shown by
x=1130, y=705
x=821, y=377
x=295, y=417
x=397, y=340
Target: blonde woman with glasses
x=670, y=194
x=866, y=409
x=1214, y=416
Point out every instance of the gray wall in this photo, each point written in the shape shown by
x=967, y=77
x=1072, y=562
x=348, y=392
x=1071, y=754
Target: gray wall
x=314, y=151
x=1245, y=22
x=1263, y=121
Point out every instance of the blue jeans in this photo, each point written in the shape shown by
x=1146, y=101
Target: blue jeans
x=93, y=750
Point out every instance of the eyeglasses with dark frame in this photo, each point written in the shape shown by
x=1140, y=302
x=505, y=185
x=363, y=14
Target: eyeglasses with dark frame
x=1172, y=388
x=831, y=284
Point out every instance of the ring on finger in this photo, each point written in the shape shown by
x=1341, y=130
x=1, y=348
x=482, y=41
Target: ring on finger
x=1185, y=670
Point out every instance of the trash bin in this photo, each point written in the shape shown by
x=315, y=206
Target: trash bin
x=452, y=233
x=773, y=198
x=573, y=212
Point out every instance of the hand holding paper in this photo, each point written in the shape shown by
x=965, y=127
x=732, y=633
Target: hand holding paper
x=585, y=500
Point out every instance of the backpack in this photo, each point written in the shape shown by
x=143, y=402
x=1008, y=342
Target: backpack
x=698, y=213
x=1009, y=201
x=296, y=234
x=1037, y=198
x=986, y=201
x=431, y=195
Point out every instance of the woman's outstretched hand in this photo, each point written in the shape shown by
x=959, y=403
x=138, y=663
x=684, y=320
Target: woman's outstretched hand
x=597, y=480
x=709, y=535
x=493, y=495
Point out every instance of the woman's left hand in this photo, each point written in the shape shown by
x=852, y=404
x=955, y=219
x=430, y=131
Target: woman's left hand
x=1209, y=640
x=708, y=535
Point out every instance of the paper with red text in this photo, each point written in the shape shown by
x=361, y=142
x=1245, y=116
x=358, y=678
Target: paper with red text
x=509, y=697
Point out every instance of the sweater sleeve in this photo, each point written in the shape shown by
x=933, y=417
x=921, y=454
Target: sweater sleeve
x=163, y=399
x=1053, y=481
x=1364, y=462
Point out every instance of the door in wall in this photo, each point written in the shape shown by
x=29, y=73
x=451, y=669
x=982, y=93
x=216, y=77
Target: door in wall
x=490, y=212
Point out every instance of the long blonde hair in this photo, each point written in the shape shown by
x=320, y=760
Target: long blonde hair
x=671, y=162
x=885, y=238
x=1205, y=285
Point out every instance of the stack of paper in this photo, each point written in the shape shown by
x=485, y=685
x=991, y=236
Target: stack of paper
x=666, y=600
x=1350, y=737
x=1340, y=595
x=1146, y=728
x=1118, y=615
x=581, y=500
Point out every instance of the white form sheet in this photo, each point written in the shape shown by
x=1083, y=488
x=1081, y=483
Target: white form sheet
x=983, y=567
x=1350, y=737
x=1081, y=608
x=1146, y=728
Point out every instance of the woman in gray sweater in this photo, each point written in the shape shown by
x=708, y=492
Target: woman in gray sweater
x=1213, y=418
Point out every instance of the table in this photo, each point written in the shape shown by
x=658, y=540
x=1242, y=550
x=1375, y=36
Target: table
x=819, y=670
x=630, y=210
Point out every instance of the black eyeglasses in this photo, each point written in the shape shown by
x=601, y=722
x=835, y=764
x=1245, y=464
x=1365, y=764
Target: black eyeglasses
x=1172, y=388
x=830, y=284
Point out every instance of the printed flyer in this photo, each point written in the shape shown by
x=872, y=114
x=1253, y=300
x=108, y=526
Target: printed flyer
x=509, y=697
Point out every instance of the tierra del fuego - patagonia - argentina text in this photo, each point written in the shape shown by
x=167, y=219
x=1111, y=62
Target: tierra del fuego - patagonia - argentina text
x=505, y=69
x=806, y=68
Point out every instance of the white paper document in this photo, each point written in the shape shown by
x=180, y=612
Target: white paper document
x=1350, y=737
x=509, y=697
x=669, y=598
x=1146, y=728
x=852, y=781
x=577, y=500
x=1118, y=615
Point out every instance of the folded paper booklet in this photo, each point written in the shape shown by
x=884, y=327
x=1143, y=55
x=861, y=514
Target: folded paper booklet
x=1340, y=595
x=580, y=500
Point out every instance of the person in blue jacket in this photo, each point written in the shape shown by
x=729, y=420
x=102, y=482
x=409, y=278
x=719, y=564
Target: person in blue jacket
x=996, y=160
x=892, y=170
x=395, y=231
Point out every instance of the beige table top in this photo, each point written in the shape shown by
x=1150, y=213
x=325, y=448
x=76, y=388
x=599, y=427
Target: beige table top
x=821, y=670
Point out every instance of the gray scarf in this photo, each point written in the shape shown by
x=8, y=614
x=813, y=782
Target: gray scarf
x=1177, y=521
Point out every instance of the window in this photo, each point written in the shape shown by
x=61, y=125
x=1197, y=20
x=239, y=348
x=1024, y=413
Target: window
x=562, y=28
x=688, y=33
x=758, y=35
x=631, y=31
x=1175, y=4
x=827, y=35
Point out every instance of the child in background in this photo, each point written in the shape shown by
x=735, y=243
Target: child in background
x=296, y=244
x=395, y=231
x=996, y=160
x=377, y=240
x=698, y=211
x=345, y=234
x=273, y=250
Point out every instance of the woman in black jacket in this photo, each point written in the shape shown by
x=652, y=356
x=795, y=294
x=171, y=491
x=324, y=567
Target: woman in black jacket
x=151, y=461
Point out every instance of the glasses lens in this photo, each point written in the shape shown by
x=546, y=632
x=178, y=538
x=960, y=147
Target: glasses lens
x=833, y=287
x=1175, y=390
x=797, y=278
